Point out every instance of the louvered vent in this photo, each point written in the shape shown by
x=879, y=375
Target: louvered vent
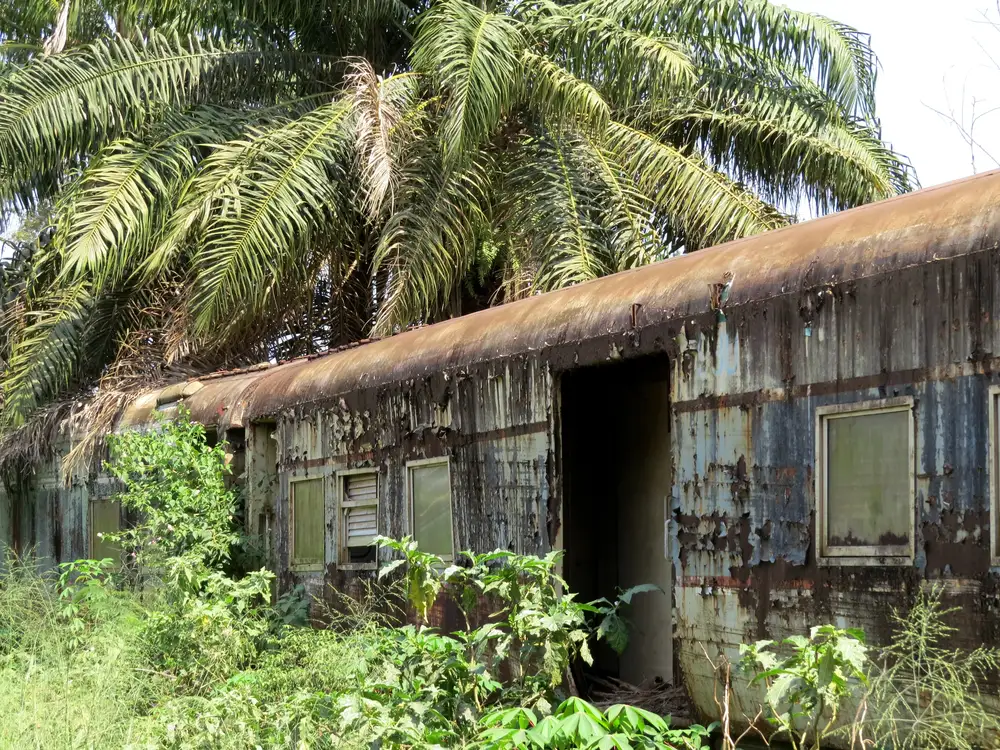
x=362, y=526
x=359, y=506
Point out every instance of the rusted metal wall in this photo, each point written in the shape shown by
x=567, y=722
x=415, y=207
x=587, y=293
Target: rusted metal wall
x=49, y=519
x=494, y=423
x=745, y=397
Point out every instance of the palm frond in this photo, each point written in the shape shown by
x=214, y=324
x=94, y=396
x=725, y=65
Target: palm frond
x=840, y=56
x=562, y=97
x=430, y=241
x=703, y=203
x=273, y=193
x=788, y=151
x=384, y=114
x=112, y=214
x=45, y=350
x=553, y=206
x=57, y=107
x=626, y=65
x=626, y=211
x=475, y=58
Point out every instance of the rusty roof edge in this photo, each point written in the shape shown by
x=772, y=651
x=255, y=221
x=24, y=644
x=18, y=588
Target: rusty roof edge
x=254, y=409
x=823, y=233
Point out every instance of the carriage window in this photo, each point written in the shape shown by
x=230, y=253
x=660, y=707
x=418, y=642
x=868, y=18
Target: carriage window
x=430, y=507
x=105, y=517
x=358, y=517
x=308, y=523
x=865, y=480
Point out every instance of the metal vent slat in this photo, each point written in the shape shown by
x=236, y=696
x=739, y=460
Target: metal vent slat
x=362, y=525
x=361, y=487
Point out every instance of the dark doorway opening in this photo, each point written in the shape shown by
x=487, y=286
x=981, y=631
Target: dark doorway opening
x=617, y=477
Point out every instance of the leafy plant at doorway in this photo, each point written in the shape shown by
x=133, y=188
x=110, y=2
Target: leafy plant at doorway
x=537, y=629
x=614, y=622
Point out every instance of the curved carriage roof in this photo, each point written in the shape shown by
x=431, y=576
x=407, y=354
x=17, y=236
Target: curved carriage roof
x=943, y=222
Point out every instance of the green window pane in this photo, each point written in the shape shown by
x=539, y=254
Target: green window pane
x=105, y=518
x=308, y=522
x=431, y=498
x=869, y=500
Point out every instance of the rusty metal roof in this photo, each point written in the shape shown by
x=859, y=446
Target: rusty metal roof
x=937, y=223
x=220, y=401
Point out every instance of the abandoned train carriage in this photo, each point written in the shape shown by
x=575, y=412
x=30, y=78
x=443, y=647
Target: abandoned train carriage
x=787, y=430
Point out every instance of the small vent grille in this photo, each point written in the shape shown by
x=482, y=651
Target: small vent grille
x=362, y=526
x=360, y=514
x=361, y=488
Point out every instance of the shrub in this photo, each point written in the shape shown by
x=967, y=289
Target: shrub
x=926, y=695
x=175, y=483
x=206, y=624
x=809, y=685
x=578, y=724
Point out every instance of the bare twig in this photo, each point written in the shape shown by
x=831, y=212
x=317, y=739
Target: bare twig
x=724, y=668
x=966, y=126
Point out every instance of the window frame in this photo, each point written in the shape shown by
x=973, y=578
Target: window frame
x=993, y=469
x=310, y=566
x=91, y=547
x=419, y=463
x=343, y=556
x=866, y=554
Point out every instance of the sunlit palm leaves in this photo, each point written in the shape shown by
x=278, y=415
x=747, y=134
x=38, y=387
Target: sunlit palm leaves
x=236, y=180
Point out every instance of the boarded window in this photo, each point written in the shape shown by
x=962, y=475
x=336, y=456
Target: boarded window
x=105, y=518
x=308, y=522
x=430, y=508
x=358, y=517
x=867, y=502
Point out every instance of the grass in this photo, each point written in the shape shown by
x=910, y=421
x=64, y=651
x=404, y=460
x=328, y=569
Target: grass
x=103, y=688
x=54, y=694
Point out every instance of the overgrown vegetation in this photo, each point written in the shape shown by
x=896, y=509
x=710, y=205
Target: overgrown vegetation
x=831, y=689
x=929, y=695
x=176, y=648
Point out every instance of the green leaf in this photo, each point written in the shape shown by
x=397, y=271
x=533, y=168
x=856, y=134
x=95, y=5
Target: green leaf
x=854, y=652
x=585, y=654
x=614, y=630
x=583, y=728
x=614, y=742
x=389, y=567
x=643, y=588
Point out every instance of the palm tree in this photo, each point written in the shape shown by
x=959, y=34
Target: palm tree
x=225, y=181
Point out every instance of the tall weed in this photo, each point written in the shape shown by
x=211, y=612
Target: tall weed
x=61, y=688
x=926, y=695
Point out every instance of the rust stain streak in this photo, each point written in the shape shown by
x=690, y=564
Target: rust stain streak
x=832, y=387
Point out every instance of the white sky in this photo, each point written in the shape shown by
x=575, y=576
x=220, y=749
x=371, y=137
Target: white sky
x=934, y=54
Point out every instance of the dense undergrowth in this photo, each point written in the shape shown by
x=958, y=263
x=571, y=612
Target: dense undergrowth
x=177, y=647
